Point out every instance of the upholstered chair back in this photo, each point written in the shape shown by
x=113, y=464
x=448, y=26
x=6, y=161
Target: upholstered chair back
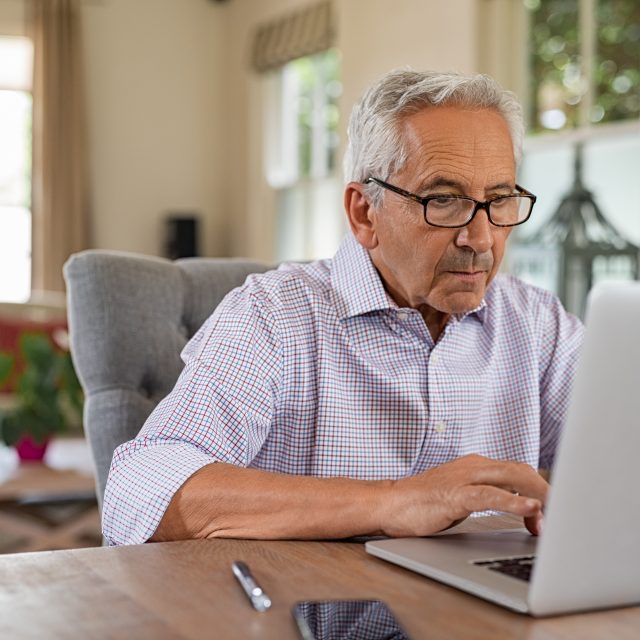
x=129, y=318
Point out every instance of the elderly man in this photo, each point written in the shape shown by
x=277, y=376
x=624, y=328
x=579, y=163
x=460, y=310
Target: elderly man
x=394, y=389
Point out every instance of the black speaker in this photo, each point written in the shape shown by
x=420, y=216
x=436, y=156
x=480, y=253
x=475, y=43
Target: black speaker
x=182, y=236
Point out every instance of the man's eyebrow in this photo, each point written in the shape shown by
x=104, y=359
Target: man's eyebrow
x=441, y=181
x=502, y=185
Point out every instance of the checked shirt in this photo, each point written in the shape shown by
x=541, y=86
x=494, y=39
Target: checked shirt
x=312, y=369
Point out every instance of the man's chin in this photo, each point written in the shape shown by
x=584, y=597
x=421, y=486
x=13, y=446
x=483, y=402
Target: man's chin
x=460, y=302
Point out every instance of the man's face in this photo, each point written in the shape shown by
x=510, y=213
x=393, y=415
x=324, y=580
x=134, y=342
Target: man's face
x=444, y=271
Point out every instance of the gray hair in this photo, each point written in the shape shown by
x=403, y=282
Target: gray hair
x=376, y=145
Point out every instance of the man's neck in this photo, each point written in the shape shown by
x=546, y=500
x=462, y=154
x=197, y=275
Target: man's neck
x=435, y=320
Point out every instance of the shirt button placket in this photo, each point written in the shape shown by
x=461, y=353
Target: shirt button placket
x=440, y=426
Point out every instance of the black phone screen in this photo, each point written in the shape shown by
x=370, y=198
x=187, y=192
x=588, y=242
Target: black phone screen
x=347, y=620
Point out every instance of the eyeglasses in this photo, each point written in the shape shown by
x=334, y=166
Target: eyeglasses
x=451, y=211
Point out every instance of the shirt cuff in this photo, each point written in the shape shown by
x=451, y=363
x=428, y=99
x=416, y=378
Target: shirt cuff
x=141, y=486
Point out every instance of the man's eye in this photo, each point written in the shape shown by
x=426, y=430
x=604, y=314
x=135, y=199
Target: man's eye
x=444, y=201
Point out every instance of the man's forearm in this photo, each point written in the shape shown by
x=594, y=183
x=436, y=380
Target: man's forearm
x=224, y=501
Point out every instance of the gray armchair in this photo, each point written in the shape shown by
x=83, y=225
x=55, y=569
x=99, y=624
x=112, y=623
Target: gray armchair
x=129, y=318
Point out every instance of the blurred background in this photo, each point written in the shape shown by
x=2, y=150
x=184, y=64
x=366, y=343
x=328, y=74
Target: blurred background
x=216, y=128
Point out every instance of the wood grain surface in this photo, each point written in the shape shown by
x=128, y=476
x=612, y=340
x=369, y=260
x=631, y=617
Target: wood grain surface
x=45, y=508
x=35, y=481
x=186, y=590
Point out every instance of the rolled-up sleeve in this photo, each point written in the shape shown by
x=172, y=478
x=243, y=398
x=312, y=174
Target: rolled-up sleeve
x=220, y=410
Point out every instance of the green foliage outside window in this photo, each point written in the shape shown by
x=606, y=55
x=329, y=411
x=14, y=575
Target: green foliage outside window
x=318, y=116
x=558, y=79
x=617, y=69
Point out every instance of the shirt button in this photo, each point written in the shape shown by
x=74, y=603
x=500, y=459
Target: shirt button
x=435, y=358
x=402, y=315
x=441, y=427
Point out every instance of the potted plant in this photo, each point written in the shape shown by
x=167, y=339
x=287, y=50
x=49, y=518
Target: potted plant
x=47, y=399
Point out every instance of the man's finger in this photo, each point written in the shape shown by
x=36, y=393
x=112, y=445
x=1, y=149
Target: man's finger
x=515, y=477
x=534, y=524
x=490, y=498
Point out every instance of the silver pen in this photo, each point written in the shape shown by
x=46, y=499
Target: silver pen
x=260, y=601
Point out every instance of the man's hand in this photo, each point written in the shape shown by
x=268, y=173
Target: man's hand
x=441, y=497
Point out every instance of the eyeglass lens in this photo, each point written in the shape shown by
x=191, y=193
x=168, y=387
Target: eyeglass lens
x=452, y=212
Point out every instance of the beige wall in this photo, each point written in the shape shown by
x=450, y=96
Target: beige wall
x=155, y=101
x=12, y=17
x=378, y=35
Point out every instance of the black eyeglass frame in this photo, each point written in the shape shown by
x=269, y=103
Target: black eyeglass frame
x=424, y=201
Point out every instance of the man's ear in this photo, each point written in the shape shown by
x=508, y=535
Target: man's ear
x=360, y=215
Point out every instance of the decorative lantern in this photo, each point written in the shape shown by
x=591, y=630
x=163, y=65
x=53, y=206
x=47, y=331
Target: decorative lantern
x=576, y=248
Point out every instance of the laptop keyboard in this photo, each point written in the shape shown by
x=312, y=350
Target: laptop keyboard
x=519, y=567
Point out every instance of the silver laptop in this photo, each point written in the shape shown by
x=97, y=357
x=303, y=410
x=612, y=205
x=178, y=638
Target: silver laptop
x=588, y=556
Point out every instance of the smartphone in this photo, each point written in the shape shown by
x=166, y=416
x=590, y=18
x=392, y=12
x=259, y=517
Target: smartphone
x=347, y=620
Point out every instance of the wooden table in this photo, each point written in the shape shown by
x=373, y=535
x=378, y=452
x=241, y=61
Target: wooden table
x=50, y=506
x=186, y=590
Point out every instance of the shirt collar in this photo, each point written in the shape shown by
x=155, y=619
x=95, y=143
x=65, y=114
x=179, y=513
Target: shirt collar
x=357, y=286
x=479, y=312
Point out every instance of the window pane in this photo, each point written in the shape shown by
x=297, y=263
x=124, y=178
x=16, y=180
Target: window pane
x=15, y=254
x=559, y=74
x=15, y=194
x=309, y=222
x=304, y=140
x=16, y=55
x=557, y=83
x=608, y=173
x=617, y=64
x=317, y=112
x=15, y=150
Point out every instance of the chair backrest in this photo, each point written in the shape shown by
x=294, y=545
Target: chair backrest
x=129, y=318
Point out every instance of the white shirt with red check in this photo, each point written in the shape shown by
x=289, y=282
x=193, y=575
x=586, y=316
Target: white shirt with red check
x=312, y=369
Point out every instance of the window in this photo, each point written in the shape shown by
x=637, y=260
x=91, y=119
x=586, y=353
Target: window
x=610, y=157
x=585, y=61
x=301, y=152
x=16, y=56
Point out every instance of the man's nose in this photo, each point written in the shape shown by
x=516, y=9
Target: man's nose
x=477, y=235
